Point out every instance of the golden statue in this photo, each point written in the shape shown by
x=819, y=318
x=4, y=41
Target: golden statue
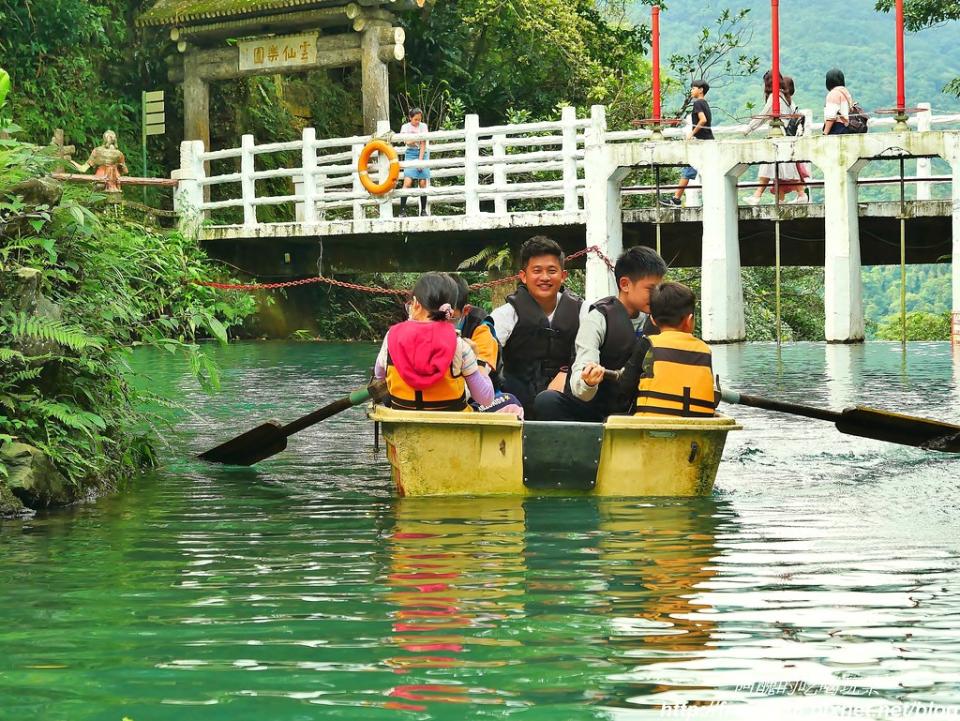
x=109, y=162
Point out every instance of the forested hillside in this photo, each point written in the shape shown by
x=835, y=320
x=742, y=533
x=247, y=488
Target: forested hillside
x=815, y=36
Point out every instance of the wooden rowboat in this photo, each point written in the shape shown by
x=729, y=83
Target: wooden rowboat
x=457, y=454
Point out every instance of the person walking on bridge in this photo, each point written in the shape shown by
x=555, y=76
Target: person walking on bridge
x=838, y=108
x=788, y=174
x=701, y=120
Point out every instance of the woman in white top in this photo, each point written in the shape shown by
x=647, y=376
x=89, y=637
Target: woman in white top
x=416, y=150
x=789, y=176
x=836, y=108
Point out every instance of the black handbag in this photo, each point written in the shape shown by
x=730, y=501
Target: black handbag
x=795, y=126
x=857, y=119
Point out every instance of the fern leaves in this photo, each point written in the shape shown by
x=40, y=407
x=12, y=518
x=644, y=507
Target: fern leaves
x=492, y=257
x=70, y=416
x=45, y=329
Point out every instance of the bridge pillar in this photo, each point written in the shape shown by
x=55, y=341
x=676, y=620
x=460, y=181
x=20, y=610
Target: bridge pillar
x=842, y=286
x=375, y=77
x=603, y=207
x=721, y=303
x=196, y=102
x=189, y=193
x=951, y=147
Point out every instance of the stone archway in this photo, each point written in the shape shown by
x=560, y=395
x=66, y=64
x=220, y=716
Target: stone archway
x=278, y=37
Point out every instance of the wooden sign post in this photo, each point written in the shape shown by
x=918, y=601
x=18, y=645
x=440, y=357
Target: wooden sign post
x=152, y=122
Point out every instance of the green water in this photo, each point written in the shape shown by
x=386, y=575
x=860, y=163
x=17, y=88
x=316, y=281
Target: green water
x=824, y=567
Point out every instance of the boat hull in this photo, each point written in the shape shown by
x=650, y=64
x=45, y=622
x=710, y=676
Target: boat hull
x=455, y=454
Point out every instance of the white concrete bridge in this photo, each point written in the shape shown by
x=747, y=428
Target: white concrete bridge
x=575, y=179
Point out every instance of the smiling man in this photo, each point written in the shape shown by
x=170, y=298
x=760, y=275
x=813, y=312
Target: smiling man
x=612, y=337
x=538, y=324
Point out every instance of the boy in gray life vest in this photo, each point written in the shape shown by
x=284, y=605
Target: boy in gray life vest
x=612, y=336
x=538, y=323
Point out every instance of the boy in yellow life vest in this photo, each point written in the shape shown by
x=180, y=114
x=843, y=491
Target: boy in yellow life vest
x=476, y=327
x=677, y=377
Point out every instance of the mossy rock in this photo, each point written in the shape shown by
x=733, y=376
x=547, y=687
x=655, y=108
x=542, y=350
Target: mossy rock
x=32, y=477
x=10, y=505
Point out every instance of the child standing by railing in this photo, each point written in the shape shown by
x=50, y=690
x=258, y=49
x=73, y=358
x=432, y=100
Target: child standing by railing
x=416, y=150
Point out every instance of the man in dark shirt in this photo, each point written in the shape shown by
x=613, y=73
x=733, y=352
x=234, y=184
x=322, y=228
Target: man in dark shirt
x=701, y=120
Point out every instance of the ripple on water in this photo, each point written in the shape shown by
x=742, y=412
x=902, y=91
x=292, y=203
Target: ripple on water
x=822, y=578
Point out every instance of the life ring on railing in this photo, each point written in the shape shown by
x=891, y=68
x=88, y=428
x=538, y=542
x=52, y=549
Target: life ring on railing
x=378, y=146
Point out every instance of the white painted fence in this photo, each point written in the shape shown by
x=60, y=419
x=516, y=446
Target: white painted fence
x=476, y=171
x=469, y=166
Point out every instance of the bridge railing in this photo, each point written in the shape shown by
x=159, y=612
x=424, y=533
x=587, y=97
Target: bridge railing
x=475, y=171
x=922, y=175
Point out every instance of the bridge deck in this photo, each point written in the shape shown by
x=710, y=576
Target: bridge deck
x=441, y=243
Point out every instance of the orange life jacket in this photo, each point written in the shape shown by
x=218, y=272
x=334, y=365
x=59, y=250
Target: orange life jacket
x=681, y=382
x=448, y=394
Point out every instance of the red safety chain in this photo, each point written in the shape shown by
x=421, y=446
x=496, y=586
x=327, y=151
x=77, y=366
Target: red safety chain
x=373, y=289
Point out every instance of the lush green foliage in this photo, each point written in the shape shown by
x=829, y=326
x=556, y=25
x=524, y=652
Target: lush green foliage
x=77, y=292
x=77, y=65
x=488, y=56
x=921, y=14
x=801, y=302
x=920, y=326
x=929, y=297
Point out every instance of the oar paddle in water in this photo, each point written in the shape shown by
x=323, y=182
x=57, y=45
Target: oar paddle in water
x=270, y=438
x=867, y=423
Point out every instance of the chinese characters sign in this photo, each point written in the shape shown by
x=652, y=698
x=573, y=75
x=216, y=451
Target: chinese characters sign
x=283, y=51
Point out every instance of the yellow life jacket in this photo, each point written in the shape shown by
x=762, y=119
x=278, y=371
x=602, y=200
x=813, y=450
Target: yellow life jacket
x=681, y=382
x=447, y=394
x=488, y=349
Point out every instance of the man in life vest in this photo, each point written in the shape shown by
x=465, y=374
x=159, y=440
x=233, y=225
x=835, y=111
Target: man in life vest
x=538, y=323
x=677, y=377
x=612, y=336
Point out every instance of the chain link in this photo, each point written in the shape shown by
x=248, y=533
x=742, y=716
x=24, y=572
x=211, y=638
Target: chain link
x=594, y=250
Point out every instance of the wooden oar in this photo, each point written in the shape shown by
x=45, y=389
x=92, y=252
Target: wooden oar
x=270, y=438
x=867, y=423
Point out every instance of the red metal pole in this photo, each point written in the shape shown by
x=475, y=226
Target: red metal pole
x=901, y=84
x=655, y=27
x=775, y=22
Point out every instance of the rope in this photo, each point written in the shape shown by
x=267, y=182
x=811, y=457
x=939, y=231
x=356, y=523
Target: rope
x=593, y=250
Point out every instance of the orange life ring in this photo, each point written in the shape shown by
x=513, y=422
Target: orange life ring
x=378, y=146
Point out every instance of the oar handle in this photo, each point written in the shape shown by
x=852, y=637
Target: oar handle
x=729, y=396
x=609, y=375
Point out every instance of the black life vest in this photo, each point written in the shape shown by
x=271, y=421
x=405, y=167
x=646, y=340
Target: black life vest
x=619, y=343
x=537, y=348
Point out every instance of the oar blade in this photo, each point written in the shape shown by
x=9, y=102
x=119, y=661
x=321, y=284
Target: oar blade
x=896, y=428
x=251, y=447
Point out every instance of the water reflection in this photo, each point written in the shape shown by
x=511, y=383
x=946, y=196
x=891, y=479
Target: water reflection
x=456, y=572
x=956, y=374
x=522, y=600
x=825, y=570
x=842, y=366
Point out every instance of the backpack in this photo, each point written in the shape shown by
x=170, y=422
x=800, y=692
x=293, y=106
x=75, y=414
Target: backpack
x=857, y=118
x=796, y=126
